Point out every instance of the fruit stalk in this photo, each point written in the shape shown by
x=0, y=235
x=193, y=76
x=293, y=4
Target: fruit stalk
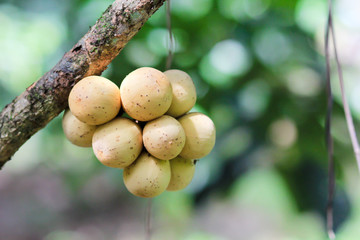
x=46, y=98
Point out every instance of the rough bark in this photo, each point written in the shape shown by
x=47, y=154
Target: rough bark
x=47, y=97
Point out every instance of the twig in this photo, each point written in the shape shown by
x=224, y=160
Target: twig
x=171, y=40
x=329, y=139
x=148, y=220
x=168, y=66
x=348, y=116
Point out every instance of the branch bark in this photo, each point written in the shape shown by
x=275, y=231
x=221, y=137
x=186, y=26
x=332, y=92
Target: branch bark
x=47, y=97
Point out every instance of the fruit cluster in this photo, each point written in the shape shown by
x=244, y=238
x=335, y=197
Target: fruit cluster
x=157, y=106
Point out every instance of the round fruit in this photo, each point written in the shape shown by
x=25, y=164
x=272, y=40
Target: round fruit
x=184, y=92
x=200, y=135
x=148, y=176
x=117, y=143
x=95, y=100
x=164, y=137
x=182, y=172
x=77, y=132
x=146, y=94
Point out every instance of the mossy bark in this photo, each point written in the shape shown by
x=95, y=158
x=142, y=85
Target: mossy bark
x=47, y=97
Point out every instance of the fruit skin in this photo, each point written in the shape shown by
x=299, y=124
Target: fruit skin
x=148, y=176
x=164, y=137
x=77, y=132
x=200, y=135
x=95, y=100
x=117, y=143
x=182, y=172
x=146, y=94
x=184, y=92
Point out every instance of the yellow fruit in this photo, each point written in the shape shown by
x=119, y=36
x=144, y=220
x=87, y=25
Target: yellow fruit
x=148, y=176
x=184, y=92
x=200, y=135
x=77, y=132
x=164, y=137
x=182, y=172
x=95, y=100
x=117, y=143
x=146, y=94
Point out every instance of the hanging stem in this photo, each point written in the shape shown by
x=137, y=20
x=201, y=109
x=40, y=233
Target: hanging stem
x=171, y=40
x=348, y=116
x=168, y=66
x=329, y=139
x=148, y=220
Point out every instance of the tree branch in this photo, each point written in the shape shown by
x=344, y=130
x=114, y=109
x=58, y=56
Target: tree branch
x=47, y=97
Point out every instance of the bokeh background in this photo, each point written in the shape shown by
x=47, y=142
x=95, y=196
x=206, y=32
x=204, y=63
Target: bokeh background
x=258, y=66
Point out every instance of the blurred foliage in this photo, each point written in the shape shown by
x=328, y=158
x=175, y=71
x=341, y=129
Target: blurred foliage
x=258, y=66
